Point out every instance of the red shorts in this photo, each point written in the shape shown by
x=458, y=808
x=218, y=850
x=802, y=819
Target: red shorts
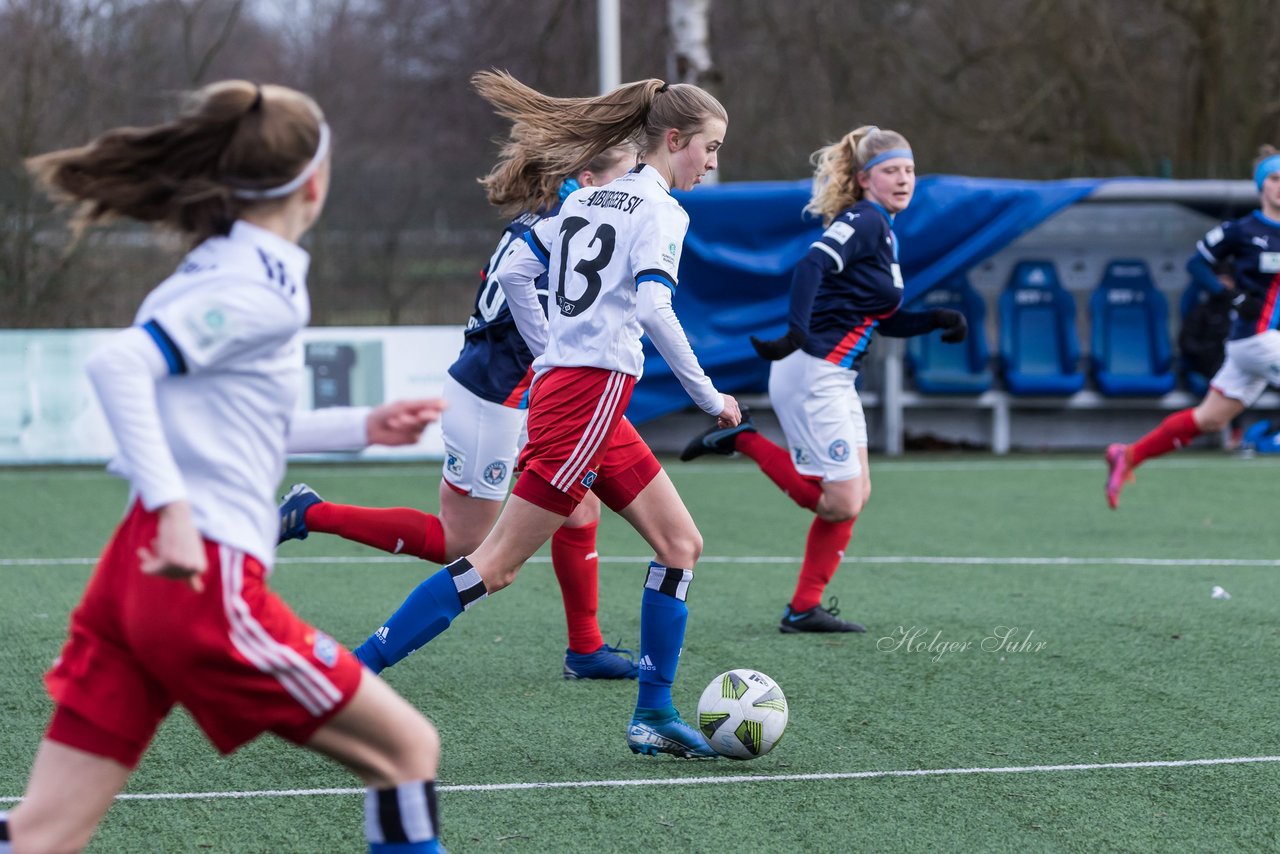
x=235, y=655
x=579, y=441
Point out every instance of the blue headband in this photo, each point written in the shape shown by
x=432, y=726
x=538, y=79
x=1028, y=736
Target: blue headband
x=1265, y=168
x=888, y=155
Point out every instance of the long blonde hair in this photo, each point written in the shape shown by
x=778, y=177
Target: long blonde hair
x=184, y=174
x=836, y=168
x=551, y=138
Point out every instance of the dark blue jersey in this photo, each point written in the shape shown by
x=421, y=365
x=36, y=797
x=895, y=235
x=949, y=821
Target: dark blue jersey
x=494, y=362
x=846, y=285
x=1251, y=245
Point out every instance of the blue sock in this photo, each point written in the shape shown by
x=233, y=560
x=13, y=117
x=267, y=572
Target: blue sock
x=663, y=615
x=427, y=612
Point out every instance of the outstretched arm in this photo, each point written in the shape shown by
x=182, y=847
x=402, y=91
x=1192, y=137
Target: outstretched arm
x=908, y=324
x=653, y=309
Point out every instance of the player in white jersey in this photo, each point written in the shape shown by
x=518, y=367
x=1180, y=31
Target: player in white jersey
x=200, y=394
x=483, y=430
x=611, y=257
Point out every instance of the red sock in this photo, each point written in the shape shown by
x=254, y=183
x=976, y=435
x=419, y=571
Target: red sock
x=775, y=462
x=398, y=530
x=1174, y=432
x=822, y=554
x=573, y=556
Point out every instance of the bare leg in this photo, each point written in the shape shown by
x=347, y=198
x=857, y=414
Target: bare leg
x=522, y=529
x=465, y=520
x=68, y=794
x=380, y=737
x=658, y=514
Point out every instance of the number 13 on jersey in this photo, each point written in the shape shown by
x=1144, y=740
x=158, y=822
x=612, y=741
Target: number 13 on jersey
x=595, y=255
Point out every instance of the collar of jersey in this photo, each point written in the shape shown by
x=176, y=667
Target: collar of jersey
x=654, y=175
x=883, y=212
x=295, y=258
x=1268, y=220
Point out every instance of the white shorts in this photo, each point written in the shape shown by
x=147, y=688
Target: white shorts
x=819, y=410
x=481, y=442
x=1251, y=365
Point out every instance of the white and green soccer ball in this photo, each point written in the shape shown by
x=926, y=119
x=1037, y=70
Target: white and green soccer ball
x=743, y=714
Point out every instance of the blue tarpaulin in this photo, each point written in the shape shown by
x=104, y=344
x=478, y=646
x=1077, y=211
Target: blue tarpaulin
x=745, y=238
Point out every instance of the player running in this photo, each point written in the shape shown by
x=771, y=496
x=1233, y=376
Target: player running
x=488, y=393
x=200, y=395
x=611, y=257
x=846, y=286
x=1251, y=245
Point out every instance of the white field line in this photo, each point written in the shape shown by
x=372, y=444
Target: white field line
x=711, y=781
x=415, y=470
x=760, y=560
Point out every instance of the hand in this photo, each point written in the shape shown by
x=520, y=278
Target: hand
x=178, y=550
x=952, y=323
x=777, y=348
x=731, y=415
x=401, y=422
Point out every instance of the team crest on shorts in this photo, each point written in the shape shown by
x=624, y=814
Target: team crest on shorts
x=588, y=479
x=839, y=450
x=453, y=463
x=495, y=473
x=325, y=650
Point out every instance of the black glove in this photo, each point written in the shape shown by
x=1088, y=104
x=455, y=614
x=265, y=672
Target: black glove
x=1247, y=307
x=952, y=323
x=777, y=348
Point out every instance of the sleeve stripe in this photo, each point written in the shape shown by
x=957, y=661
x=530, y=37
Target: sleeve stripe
x=835, y=256
x=538, y=249
x=655, y=275
x=1205, y=253
x=170, y=351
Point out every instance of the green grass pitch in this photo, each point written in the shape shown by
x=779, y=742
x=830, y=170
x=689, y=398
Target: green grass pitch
x=1116, y=654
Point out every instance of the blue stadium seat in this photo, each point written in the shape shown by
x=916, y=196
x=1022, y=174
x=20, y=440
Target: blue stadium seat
x=1129, y=319
x=941, y=368
x=1038, y=343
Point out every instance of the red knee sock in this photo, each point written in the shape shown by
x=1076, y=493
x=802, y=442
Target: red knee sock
x=775, y=462
x=398, y=530
x=1174, y=432
x=822, y=554
x=573, y=556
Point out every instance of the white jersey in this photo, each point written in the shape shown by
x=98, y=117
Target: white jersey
x=611, y=238
x=227, y=323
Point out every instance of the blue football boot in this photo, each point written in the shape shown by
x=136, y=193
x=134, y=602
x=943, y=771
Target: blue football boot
x=293, y=512
x=674, y=737
x=607, y=662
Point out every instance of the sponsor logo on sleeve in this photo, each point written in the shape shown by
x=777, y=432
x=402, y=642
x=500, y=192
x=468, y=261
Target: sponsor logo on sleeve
x=1214, y=237
x=207, y=325
x=838, y=231
x=671, y=256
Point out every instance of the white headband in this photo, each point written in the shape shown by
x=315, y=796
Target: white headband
x=322, y=150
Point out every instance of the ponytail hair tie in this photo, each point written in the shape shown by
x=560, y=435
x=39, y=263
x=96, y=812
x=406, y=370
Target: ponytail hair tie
x=257, y=99
x=664, y=87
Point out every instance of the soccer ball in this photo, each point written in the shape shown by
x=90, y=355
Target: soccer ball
x=742, y=713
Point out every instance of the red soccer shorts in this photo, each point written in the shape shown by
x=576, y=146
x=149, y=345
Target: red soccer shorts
x=235, y=655
x=578, y=440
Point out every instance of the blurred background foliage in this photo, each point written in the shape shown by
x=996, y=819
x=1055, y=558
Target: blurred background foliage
x=1012, y=88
